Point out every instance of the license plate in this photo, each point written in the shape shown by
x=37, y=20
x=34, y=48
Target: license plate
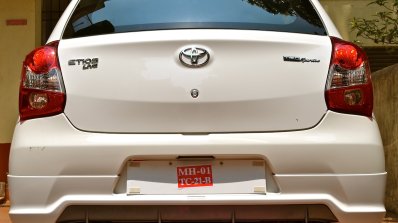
x=194, y=176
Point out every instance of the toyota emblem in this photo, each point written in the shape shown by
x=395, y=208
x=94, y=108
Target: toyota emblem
x=194, y=57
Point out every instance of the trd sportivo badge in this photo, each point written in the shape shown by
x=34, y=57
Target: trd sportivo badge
x=194, y=57
x=300, y=59
x=85, y=63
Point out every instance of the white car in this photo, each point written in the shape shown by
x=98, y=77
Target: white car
x=196, y=111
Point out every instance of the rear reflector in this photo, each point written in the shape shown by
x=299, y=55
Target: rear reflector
x=41, y=91
x=349, y=86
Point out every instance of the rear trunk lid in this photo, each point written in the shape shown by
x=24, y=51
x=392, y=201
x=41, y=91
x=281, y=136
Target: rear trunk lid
x=254, y=81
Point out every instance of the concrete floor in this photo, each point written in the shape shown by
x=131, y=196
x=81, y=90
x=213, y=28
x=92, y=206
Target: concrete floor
x=4, y=214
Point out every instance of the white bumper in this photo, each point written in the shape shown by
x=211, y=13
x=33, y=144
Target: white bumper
x=339, y=163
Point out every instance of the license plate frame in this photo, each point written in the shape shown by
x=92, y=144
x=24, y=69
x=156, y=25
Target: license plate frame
x=155, y=177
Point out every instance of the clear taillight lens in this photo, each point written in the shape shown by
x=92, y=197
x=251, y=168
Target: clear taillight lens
x=349, y=86
x=41, y=92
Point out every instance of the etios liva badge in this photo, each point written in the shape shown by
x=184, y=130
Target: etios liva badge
x=89, y=63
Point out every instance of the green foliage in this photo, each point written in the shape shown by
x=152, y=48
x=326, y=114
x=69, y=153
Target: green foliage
x=382, y=27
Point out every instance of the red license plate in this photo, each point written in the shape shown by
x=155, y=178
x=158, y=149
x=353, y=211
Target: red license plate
x=194, y=176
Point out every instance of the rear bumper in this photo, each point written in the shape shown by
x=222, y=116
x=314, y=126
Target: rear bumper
x=350, y=198
x=339, y=165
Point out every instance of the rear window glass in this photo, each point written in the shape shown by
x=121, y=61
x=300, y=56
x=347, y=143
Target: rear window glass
x=93, y=17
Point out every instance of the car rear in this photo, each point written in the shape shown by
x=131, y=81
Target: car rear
x=210, y=111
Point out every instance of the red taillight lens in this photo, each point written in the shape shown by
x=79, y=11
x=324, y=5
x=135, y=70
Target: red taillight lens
x=349, y=86
x=347, y=56
x=42, y=59
x=41, y=92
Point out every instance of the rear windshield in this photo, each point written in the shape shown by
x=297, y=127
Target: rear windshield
x=97, y=17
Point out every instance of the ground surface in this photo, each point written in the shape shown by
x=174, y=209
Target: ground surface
x=4, y=214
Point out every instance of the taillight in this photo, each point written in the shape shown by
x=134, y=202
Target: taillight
x=41, y=92
x=349, y=85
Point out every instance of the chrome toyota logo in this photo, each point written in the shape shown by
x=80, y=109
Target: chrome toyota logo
x=194, y=57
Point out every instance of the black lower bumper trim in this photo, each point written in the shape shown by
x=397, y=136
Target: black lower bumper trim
x=196, y=213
